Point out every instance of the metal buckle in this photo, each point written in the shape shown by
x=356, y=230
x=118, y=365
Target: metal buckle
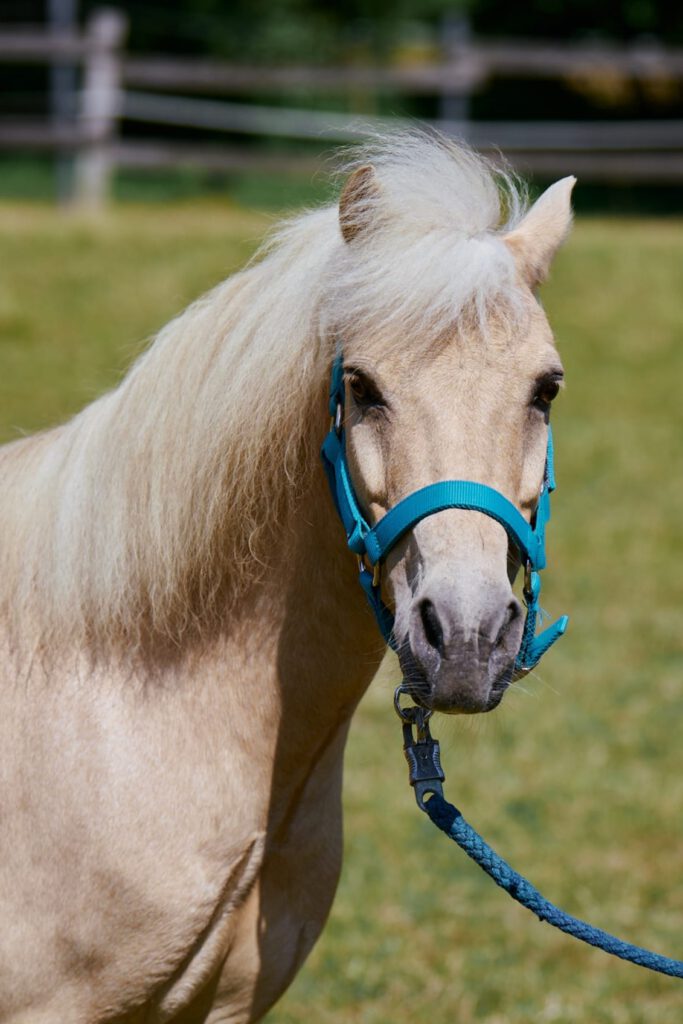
x=413, y=715
x=376, y=570
x=338, y=419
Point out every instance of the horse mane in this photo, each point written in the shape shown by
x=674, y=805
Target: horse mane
x=158, y=502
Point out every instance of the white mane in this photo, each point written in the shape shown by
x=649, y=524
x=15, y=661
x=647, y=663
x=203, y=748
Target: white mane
x=162, y=495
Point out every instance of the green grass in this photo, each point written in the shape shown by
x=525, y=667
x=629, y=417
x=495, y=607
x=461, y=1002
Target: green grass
x=578, y=778
x=26, y=178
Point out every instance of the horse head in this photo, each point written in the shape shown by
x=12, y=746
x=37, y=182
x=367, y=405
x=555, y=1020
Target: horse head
x=462, y=397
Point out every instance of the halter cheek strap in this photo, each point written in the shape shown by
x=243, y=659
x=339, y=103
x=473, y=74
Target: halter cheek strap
x=372, y=544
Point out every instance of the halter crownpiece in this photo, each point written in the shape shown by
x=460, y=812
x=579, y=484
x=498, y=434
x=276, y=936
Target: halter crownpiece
x=372, y=544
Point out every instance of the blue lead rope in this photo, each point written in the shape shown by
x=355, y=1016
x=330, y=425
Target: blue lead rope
x=449, y=819
x=426, y=777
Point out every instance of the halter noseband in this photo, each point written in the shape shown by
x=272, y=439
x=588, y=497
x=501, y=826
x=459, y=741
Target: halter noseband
x=372, y=544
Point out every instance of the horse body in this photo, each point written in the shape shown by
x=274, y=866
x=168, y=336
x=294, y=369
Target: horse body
x=173, y=842
x=184, y=642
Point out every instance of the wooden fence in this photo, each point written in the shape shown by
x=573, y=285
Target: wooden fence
x=157, y=90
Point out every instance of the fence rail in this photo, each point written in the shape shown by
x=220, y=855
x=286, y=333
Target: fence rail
x=469, y=65
x=116, y=87
x=33, y=44
x=252, y=119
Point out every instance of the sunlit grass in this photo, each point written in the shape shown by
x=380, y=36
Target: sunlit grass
x=579, y=779
x=79, y=297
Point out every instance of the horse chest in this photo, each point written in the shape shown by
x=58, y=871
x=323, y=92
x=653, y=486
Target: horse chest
x=274, y=906
x=277, y=926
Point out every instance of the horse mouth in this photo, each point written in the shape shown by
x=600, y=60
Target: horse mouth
x=423, y=691
x=499, y=688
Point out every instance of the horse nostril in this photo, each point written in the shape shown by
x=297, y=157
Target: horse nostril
x=431, y=626
x=512, y=613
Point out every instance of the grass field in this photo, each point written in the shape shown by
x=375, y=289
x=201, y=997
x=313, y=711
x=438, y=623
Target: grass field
x=578, y=778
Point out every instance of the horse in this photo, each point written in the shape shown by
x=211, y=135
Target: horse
x=183, y=638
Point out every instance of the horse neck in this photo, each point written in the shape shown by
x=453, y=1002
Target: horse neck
x=281, y=677
x=327, y=630
x=326, y=650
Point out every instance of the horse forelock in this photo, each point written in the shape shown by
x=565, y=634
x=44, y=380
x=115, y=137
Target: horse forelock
x=160, y=503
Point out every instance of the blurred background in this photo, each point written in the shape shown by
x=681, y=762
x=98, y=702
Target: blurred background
x=187, y=127
x=147, y=99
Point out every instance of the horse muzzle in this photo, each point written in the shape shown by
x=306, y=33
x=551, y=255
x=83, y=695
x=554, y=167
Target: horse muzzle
x=457, y=658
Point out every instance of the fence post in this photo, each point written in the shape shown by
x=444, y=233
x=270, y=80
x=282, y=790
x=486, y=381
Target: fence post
x=100, y=105
x=454, y=105
x=63, y=85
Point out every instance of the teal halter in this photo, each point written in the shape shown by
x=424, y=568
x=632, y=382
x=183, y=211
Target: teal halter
x=372, y=544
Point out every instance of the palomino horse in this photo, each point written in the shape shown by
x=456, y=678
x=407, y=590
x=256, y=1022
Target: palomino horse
x=184, y=641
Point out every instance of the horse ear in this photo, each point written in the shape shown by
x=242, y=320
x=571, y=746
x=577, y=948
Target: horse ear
x=357, y=200
x=542, y=231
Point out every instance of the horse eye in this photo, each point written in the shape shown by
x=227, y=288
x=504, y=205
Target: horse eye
x=546, y=391
x=364, y=391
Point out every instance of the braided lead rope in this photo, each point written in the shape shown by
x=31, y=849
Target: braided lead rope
x=449, y=819
x=426, y=776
